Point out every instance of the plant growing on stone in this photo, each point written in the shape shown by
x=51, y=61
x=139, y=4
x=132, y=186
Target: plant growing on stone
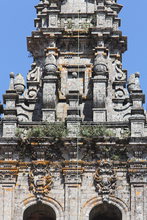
x=55, y=130
x=69, y=24
x=95, y=130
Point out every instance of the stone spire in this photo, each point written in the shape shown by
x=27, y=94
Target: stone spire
x=77, y=50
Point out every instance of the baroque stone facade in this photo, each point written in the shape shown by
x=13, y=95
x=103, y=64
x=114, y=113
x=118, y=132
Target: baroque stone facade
x=73, y=139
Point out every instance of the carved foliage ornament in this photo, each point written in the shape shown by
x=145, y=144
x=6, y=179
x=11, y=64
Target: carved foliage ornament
x=104, y=178
x=40, y=180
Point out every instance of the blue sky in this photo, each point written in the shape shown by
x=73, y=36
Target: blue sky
x=17, y=22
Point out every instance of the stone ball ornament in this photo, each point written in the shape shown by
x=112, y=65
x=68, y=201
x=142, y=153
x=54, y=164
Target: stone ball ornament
x=19, y=84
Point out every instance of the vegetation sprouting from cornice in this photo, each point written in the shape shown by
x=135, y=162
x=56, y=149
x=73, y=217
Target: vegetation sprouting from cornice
x=95, y=131
x=54, y=130
x=59, y=130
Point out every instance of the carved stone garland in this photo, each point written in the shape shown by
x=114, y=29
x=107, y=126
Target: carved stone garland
x=105, y=179
x=40, y=180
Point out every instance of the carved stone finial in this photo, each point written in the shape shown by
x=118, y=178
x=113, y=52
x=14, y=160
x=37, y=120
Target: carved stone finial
x=19, y=84
x=50, y=64
x=133, y=82
x=100, y=64
x=11, y=86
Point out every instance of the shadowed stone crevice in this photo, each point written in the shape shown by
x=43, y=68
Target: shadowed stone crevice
x=39, y=212
x=105, y=212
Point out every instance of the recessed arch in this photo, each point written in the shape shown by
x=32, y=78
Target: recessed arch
x=39, y=211
x=30, y=201
x=105, y=211
x=95, y=201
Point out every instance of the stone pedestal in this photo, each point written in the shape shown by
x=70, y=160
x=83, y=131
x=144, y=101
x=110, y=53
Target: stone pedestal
x=49, y=99
x=99, y=98
x=137, y=120
x=73, y=119
x=99, y=115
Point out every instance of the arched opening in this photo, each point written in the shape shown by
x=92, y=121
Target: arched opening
x=39, y=212
x=105, y=211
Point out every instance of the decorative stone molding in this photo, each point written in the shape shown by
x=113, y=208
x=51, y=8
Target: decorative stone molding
x=8, y=172
x=120, y=74
x=72, y=175
x=137, y=172
x=105, y=179
x=40, y=179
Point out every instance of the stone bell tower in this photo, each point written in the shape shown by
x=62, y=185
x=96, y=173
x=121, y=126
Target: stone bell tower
x=73, y=135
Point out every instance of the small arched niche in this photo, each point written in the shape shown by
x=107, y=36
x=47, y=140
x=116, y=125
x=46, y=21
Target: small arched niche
x=39, y=212
x=105, y=211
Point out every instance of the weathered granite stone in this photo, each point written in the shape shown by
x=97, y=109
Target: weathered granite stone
x=73, y=141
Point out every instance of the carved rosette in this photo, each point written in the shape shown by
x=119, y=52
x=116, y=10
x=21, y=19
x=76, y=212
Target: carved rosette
x=105, y=179
x=40, y=179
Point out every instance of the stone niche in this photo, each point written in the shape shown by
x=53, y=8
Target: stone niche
x=74, y=78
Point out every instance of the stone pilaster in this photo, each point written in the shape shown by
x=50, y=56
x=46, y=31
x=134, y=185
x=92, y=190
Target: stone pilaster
x=72, y=184
x=137, y=176
x=100, y=88
x=10, y=112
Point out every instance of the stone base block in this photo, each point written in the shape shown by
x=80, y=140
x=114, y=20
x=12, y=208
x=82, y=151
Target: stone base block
x=99, y=115
x=137, y=126
x=49, y=115
x=73, y=126
x=9, y=129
